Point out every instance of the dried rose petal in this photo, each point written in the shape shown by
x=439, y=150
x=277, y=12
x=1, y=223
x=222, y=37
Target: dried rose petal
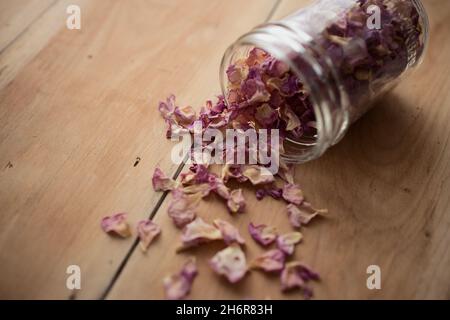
x=302, y=215
x=296, y=275
x=262, y=234
x=266, y=115
x=167, y=108
x=230, y=262
x=229, y=233
x=258, y=175
x=198, y=232
x=116, y=224
x=287, y=242
x=179, y=285
x=286, y=172
x=161, y=182
x=185, y=115
x=270, y=261
x=147, y=231
x=204, y=189
x=236, y=202
x=293, y=194
x=182, y=207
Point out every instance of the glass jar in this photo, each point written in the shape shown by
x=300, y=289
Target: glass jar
x=345, y=53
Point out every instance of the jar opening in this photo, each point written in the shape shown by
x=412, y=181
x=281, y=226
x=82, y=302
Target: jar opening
x=310, y=144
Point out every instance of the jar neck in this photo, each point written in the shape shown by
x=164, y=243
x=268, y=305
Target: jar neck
x=329, y=100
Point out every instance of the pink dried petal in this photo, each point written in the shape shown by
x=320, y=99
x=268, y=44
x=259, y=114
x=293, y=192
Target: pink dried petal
x=218, y=186
x=203, y=189
x=182, y=207
x=287, y=242
x=302, y=215
x=179, y=285
x=236, y=201
x=230, y=234
x=235, y=75
x=230, y=262
x=291, y=119
x=167, y=108
x=262, y=234
x=266, y=115
x=256, y=57
x=161, y=182
x=270, y=261
x=198, y=232
x=286, y=172
x=258, y=175
x=185, y=115
x=147, y=231
x=296, y=275
x=293, y=194
x=116, y=224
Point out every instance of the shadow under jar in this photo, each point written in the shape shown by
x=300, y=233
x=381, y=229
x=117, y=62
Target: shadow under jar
x=322, y=67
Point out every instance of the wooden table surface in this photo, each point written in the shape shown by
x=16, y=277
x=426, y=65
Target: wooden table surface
x=78, y=107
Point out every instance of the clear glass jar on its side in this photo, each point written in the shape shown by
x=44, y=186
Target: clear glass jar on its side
x=344, y=56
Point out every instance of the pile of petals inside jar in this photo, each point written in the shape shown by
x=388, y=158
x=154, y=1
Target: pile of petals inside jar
x=263, y=93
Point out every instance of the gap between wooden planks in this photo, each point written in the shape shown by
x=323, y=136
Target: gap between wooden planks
x=386, y=185
x=76, y=116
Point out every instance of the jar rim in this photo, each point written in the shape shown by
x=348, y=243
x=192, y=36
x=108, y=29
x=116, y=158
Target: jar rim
x=327, y=133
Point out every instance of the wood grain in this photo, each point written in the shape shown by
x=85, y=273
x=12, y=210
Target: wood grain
x=76, y=116
x=386, y=186
x=17, y=16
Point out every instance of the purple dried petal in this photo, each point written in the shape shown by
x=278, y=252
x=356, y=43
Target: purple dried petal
x=161, y=182
x=147, y=231
x=292, y=194
x=296, y=275
x=270, y=261
x=117, y=225
x=230, y=233
x=230, y=262
x=262, y=234
x=179, y=285
x=287, y=242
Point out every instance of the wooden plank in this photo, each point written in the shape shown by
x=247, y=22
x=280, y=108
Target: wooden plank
x=77, y=116
x=33, y=39
x=386, y=186
x=17, y=16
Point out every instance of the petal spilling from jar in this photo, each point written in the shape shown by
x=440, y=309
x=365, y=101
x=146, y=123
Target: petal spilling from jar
x=293, y=194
